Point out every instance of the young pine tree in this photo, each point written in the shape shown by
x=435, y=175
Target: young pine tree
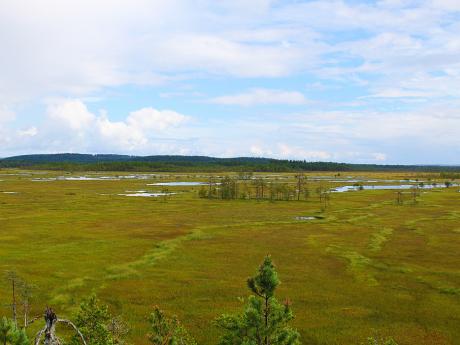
x=264, y=320
x=381, y=341
x=167, y=330
x=10, y=334
x=93, y=321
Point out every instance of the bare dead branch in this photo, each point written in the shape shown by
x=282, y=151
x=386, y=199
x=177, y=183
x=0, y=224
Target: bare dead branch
x=71, y=324
x=39, y=335
x=32, y=320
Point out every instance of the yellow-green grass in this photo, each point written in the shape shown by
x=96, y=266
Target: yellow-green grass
x=368, y=267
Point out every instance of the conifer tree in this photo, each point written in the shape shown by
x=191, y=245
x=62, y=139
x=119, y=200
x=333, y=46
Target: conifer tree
x=264, y=320
x=10, y=334
x=381, y=341
x=167, y=330
x=93, y=321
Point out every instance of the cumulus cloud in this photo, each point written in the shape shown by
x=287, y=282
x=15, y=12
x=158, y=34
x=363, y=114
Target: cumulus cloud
x=149, y=118
x=389, y=74
x=262, y=97
x=358, y=136
x=138, y=130
x=73, y=127
x=71, y=113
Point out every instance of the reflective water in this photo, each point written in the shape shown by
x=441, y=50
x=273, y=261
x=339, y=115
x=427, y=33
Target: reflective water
x=178, y=184
x=143, y=193
x=96, y=178
x=305, y=218
x=386, y=187
x=73, y=178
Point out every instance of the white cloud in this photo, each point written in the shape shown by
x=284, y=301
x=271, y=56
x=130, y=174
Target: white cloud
x=395, y=51
x=380, y=156
x=149, y=118
x=71, y=113
x=357, y=136
x=75, y=128
x=401, y=93
x=6, y=118
x=6, y=115
x=225, y=56
x=408, y=133
x=29, y=132
x=448, y=5
x=139, y=130
x=91, y=45
x=259, y=151
x=285, y=151
x=119, y=135
x=262, y=97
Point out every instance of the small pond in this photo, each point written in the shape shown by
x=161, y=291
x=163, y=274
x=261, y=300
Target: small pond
x=143, y=193
x=386, y=187
x=306, y=218
x=173, y=184
x=97, y=178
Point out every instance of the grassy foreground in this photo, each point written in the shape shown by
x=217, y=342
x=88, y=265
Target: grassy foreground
x=368, y=267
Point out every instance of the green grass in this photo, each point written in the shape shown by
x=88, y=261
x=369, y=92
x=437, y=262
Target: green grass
x=366, y=267
x=379, y=238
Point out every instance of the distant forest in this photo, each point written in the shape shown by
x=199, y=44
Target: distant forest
x=110, y=162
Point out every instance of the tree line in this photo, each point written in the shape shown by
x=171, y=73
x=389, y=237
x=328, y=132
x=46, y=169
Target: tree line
x=86, y=162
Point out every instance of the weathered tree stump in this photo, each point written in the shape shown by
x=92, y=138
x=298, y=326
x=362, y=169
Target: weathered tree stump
x=49, y=330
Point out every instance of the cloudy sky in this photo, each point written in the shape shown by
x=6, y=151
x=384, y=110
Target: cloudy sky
x=335, y=80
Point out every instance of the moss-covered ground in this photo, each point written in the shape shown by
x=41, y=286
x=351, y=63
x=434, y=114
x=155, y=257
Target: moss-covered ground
x=368, y=266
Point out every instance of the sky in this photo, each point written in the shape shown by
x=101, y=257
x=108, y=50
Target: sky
x=329, y=80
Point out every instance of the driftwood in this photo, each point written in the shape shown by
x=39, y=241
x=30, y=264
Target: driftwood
x=49, y=330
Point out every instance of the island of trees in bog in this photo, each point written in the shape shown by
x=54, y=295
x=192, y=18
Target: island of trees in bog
x=161, y=253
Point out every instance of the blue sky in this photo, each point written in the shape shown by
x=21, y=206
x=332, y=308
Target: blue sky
x=350, y=81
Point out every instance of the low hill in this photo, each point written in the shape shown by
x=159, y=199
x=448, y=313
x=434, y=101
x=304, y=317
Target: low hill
x=113, y=162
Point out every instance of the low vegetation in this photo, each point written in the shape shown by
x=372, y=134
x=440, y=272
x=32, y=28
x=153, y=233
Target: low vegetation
x=264, y=321
x=362, y=266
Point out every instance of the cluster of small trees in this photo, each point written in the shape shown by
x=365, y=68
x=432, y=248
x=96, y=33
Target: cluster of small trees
x=244, y=187
x=249, y=188
x=263, y=321
x=415, y=192
x=21, y=292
